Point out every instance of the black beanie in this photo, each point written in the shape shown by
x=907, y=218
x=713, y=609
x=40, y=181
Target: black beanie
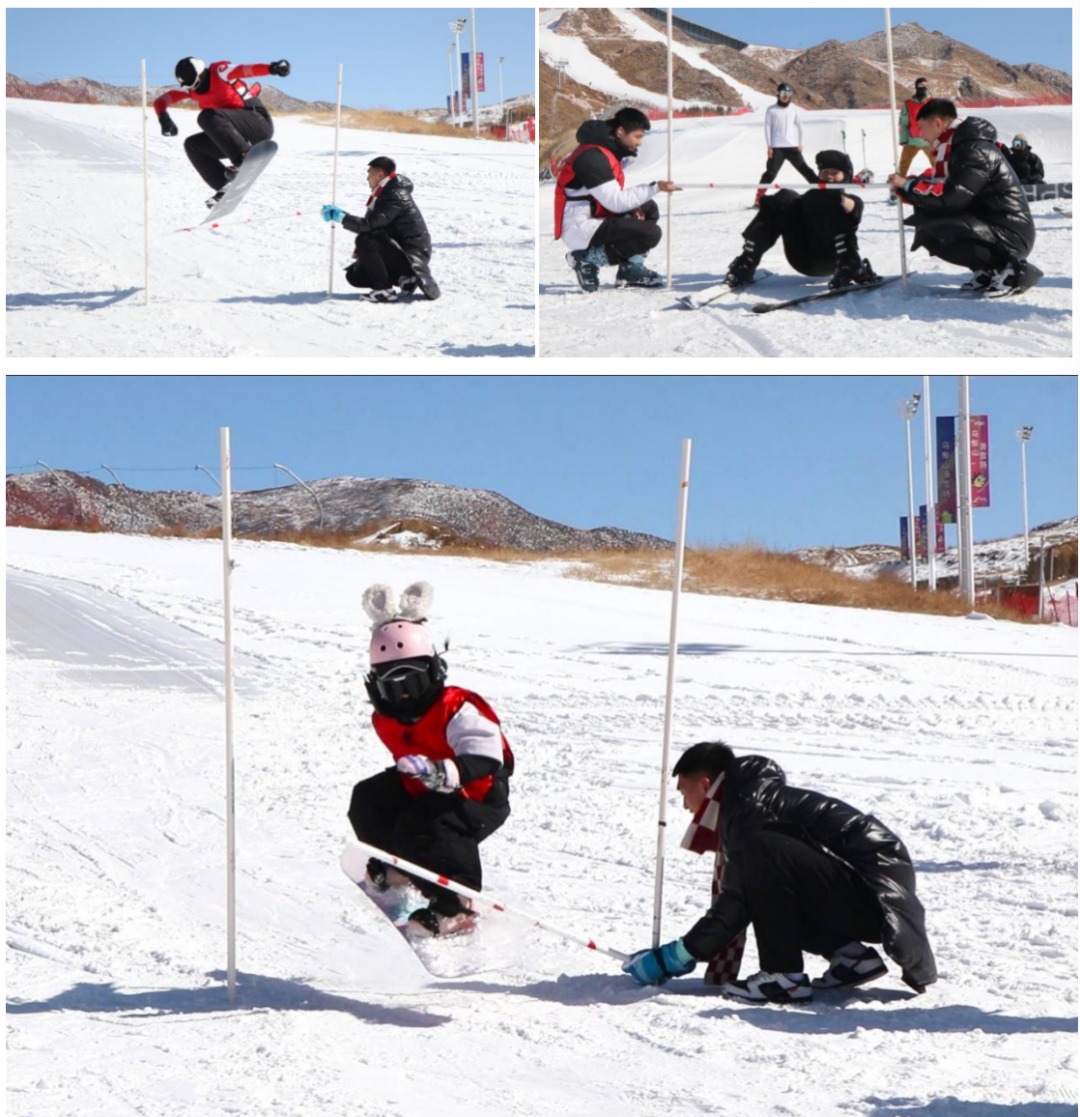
x=835, y=161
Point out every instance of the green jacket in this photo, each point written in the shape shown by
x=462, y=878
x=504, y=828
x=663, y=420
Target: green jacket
x=906, y=139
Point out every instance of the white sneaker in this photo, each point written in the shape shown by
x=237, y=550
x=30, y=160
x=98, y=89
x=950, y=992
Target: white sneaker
x=850, y=966
x=770, y=988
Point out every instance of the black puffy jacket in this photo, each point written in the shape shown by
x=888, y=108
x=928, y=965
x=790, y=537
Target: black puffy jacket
x=1028, y=166
x=981, y=182
x=755, y=797
x=395, y=215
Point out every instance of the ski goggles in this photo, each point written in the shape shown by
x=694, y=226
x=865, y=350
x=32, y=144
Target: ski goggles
x=1018, y=144
x=403, y=681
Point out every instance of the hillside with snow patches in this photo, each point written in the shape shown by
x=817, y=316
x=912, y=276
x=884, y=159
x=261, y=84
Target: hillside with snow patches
x=75, y=245
x=706, y=234
x=958, y=733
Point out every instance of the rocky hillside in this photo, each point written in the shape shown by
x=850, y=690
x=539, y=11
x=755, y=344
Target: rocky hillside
x=370, y=507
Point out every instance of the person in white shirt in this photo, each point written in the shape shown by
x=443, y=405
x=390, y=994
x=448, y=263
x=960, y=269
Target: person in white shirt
x=783, y=139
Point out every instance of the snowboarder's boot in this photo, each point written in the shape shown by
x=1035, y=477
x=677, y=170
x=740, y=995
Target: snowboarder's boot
x=741, y=270
x=231, y=173
x=852, y=271
x=850, y=966
x=634, y=273
x=587, y=264
x=213, y=201
x=1015, y=278
x=770, y=988
x=387, y=296
x=979, y=281
x=382, y=876
x=442, y=918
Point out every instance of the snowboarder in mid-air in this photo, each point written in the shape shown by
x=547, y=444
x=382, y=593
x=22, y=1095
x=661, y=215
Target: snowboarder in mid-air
x=601, y=220
x=449, y=787
x=809, y=873
x=232, y=120
x=819, y=230
x=393, y=247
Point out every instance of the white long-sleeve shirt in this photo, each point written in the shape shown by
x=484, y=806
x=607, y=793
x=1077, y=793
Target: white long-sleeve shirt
x=783, y=126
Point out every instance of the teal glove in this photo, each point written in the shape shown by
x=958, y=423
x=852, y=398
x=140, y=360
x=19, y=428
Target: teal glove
x=332, y=213
x=654, y=967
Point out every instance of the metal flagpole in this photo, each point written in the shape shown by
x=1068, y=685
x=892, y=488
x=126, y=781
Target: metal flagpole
x=963, y=511
x=145, y=197
x=472, y=75
x=931, y=510
x=670, y=120
x=230, y=789
x=895, y=142
x=673, y=650
x=333, y=189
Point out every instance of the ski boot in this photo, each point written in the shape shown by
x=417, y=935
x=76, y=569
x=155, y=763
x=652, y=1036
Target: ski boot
x=850, y=966
x=741, y=270
x=382, y=877
x=853, y=272
x=634, y=273
x=587, y=264
x=387, y=296
x=1015, y=278
x=979, y=281
x=443, y=918
x=770, y=988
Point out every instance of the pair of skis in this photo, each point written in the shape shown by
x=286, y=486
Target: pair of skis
x=700, y=299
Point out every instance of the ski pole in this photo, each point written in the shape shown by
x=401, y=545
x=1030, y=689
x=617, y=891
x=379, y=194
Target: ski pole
x=843, y=140
x=494, y=905
x=248, y=221
x=797, y=186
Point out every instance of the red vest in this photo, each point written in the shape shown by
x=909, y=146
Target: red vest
x=428, y=738
x=914, y=131
x=566, y=176
x=221, y=93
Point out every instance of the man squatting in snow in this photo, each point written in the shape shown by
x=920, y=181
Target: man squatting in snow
x=448, y=788
x=232, y=120
x=601, y=220
x=393, y=247
x=972, y=212
x=808, y=872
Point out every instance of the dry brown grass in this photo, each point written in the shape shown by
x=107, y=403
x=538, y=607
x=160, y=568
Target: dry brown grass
x=385, y=120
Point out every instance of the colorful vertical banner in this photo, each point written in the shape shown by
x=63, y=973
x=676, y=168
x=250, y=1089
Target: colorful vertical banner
x=980, y=461
x=946, y=468
x=939, y=532
x=457, y=103
x=466, y=76
x=920, y=534
x=905, y=553
x=480, y=72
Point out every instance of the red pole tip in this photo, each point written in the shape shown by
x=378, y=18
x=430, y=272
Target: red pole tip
x=444, y=880
x=592, y=945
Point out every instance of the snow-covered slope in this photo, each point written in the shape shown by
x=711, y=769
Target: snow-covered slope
x=960, y=734
x=707, y=230
x=75, y=243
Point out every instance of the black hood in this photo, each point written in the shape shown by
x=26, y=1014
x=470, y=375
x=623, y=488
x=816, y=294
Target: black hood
x=750, y=769
x=973, y=129
x=599, y=132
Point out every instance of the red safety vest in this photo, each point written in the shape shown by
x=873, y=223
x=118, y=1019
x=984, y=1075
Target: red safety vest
x=222, y=93
x=566, y=176
x=914, y=131
x=428, y=738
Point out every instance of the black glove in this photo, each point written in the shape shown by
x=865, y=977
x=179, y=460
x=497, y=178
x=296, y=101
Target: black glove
x=168, y=128
x=280, y=69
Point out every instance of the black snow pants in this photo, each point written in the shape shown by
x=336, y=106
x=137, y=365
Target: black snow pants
x=226, y=134
x=627, y=236
x=801, y=899
x=968, y=241
x=436, y=831
x=379, y=264
x=791, y=155
x=814, y=227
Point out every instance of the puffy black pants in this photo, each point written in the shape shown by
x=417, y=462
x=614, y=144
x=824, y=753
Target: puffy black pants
x=435, y=831
x=811, y=225
x=969, y=241
x=627, y=235
x=378, y=264
x=226, y=134
x=800, y=899
x=791, y=155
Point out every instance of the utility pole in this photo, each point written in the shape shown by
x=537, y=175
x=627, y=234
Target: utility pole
x=457, y=27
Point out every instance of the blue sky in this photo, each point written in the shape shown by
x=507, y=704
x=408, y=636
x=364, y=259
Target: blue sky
x=1012, y=34
x=787, y=461
x=394, y=57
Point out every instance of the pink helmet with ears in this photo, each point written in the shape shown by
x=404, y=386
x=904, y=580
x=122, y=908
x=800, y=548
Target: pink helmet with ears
x=400, y=639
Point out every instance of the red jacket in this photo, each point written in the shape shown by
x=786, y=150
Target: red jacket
x=566, y=176
x=428, y=738
x=224, y=92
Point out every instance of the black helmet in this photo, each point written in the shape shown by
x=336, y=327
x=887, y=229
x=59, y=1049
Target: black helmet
x=835, y=161
x=783, y=88
x=189, y=71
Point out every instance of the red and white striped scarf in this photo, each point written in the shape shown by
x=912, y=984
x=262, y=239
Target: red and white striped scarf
x=380, y=188
x=703, y=836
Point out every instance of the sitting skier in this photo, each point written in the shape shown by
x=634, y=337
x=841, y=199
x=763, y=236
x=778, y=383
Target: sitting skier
x=973, y=212
x=808, y=872
x=1028, y=166
x=598, y=217
x=393, y=248
x=819, y=230
x=448, y=789
x=233, y=119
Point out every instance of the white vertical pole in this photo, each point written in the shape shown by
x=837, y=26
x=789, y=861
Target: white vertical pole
x=450, y=70
x=912, y=549
x=472, y=76
x=230, y=790
x=673, y=650
x=928, y=460
x=1023, y=492
x=457, y=70
x=502, y=103
x=670, y=122
x=895, y=141
x=963, y=449
x=145, y=197
x=333, y=189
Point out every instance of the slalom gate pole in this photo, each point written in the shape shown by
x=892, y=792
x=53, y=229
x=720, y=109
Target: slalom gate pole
x=850, y=186
x=230, y=785
x=333, y=190
x=670, y=122
x=895, y=143
x=484, y=901
x=673, y=651
x=145, y=196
